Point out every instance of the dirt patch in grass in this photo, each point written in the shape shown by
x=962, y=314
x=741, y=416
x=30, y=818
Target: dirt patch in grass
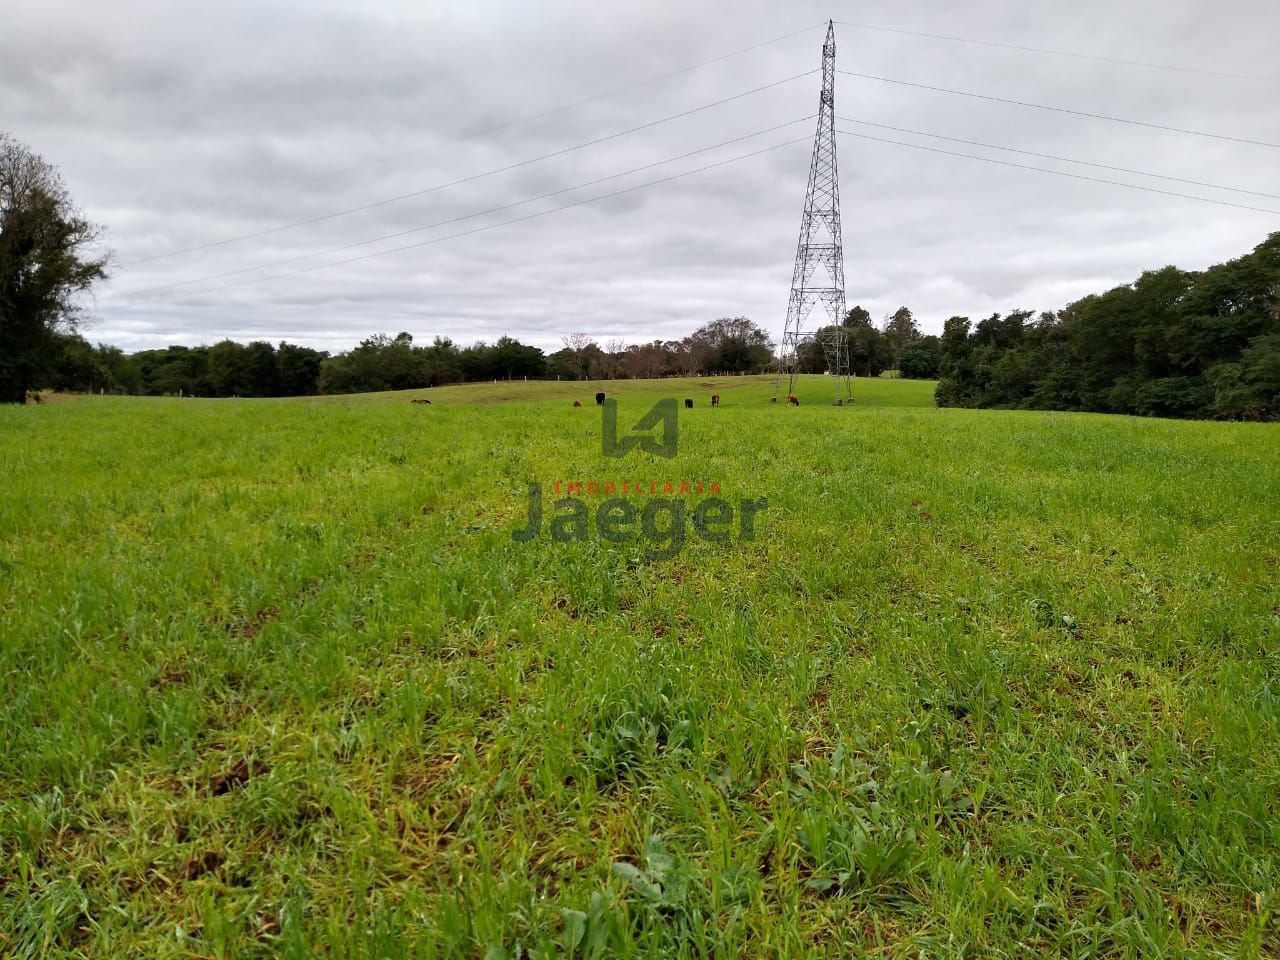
x=235, y=775
x=203, y=863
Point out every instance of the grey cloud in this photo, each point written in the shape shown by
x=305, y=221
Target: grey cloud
x=178, y=126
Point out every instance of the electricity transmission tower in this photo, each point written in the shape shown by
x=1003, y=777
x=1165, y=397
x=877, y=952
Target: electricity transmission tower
x=819, y=247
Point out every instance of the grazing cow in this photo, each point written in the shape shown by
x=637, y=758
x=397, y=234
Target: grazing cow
x=600, y=399
x=420, y=400
x=715, y=399
x=793, y=400
x=688, y=404
x=577, y=403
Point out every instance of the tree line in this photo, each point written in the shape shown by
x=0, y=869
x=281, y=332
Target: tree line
x=897, y=345
x=729, y=345
x=381, y=362
x=1174, y=343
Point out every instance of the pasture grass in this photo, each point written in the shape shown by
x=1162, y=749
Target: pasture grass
x=277, y=681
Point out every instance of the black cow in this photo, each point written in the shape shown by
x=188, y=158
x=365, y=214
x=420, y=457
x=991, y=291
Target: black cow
x=600, y=399
x=688, y=404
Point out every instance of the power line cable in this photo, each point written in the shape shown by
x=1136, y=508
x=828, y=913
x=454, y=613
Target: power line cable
x=473, y=177
x=1060, y=53
x=1050, y=156
x=149, y=291
x=1078, y=113
x=552, y=111
x=504, y=223
x=1060, y=173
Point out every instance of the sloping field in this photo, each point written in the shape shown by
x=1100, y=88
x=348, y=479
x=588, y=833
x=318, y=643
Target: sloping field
x=750, y=392
x=279, y=681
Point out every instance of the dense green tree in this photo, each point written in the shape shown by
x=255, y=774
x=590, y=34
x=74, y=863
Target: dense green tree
x=396, y=361
x=857, y=316
x=900, y=328
x=562, y=365
x=1173, y=344
x=121, y=375
x=366, y=369
x=733, y=345
x=172, y=371
x=46, y=263
x=810, y=355
x=77, y=367
x=870, y=353
x=512, y=360
x=919, y=359
x=440, y=362
x=227, y=369
x=297, y=370
x=262, y=372
x=1250, y=389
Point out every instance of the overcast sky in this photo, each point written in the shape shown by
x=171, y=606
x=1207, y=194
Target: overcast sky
x=179, y=126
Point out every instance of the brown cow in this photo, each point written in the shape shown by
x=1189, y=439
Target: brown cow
x=793, y=400
x=577, y=403
x=715, y=399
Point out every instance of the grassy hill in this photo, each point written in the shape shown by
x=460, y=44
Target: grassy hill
x=277, y=679
x=749, y=391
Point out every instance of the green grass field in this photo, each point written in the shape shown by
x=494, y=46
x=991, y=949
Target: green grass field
x=277, y=681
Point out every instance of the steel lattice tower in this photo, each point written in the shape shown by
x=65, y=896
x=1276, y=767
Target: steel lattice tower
x=820, y=247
